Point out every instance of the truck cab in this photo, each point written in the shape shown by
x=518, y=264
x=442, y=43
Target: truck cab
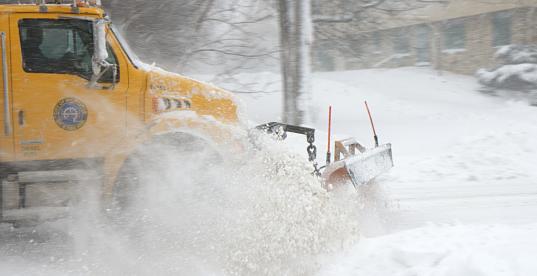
x=74, y=96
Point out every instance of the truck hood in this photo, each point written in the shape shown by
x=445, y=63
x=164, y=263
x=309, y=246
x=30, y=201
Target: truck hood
x=192, y=95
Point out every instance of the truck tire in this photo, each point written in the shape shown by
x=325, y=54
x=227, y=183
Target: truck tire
x=184, y=156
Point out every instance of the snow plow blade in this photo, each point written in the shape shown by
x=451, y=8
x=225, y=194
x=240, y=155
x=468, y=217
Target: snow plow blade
x=355, y=163
x=352, y=162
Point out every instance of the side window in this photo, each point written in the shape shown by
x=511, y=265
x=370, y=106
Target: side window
x=61, y=46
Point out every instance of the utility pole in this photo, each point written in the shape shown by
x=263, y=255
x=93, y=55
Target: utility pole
x=296, y=33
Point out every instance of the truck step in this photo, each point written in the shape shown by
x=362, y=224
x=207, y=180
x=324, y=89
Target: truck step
x=42, y=195
x=56, y=176
x=34, y=214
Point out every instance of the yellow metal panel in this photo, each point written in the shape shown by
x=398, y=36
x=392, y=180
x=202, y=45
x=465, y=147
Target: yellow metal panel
x=37, y=95
x=207, y=100
x=6, y=139
x=135, y=100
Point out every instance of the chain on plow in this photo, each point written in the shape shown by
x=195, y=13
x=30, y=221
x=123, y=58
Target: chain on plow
x=280, y=130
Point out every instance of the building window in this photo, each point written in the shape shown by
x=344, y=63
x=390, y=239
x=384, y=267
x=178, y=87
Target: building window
x=423, y=43
x=376, y=42
x=316, y=7
x=454, y=35
x=501, y=29
x=401, y=44
x=325, y=59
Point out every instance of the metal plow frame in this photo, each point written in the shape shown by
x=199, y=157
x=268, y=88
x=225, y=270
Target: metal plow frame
x=354, y=162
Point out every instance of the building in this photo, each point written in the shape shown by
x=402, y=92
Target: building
x=460, y=36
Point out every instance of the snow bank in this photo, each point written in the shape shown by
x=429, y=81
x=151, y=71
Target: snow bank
x=443, y=250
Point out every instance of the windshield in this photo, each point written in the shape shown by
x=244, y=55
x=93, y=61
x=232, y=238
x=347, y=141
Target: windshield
x=126, y=48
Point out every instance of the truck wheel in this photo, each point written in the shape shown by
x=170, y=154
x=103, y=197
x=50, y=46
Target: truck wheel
x=166, y=162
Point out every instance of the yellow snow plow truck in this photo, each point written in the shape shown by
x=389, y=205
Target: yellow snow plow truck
x=75, y=98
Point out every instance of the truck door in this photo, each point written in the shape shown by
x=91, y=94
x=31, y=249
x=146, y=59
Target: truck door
x=57, y=115
x=6, y=124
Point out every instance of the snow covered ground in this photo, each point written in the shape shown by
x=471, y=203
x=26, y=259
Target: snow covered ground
x=461, y=200
x=463, y=194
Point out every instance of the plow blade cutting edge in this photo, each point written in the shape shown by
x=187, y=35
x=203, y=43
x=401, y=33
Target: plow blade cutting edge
x=359, y=168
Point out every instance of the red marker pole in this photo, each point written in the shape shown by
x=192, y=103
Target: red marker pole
x=329, y=134
x=372, y=125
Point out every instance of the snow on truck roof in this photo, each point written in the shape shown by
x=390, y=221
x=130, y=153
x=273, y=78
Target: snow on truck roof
x=82, y=7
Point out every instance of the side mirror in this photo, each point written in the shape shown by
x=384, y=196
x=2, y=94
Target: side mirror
x=99, y=64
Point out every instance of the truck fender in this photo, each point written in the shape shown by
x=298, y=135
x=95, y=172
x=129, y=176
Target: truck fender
x=214, y=134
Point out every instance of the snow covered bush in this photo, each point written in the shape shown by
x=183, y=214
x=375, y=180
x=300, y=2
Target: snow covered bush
x=518, y=69
x=516, y=54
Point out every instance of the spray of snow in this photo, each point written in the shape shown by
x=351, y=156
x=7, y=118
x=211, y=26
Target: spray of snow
x=266, y=216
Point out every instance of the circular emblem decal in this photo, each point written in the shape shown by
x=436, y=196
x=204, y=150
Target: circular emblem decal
x=70, y=114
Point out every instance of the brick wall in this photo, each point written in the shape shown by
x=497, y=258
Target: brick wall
x=379, y=49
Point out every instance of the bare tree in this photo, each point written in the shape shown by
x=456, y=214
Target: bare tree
x=196, y=36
